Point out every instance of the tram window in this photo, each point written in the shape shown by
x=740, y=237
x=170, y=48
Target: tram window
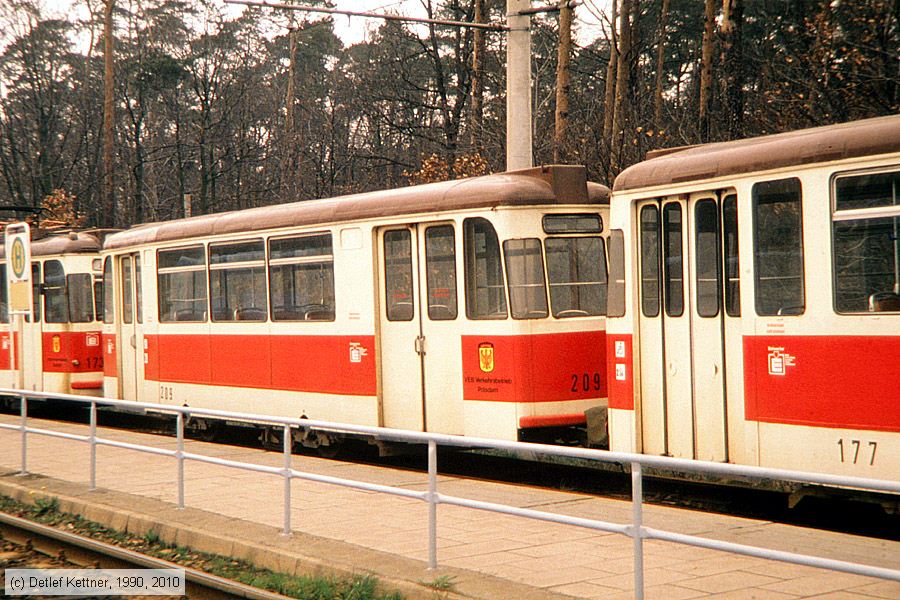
x=4, y=296
x=778, y=248
x=107, y=296
x=576, y=270
x=237, y=281
x=398, y=285
x=561, y=224
x=35, y=292
x=301, y=278
x=706, y=226
x=127, y=291
x=867, y=248
x=650, y=261
x=81, y=297
x=98, y=299
x=616, y=306
x=440, y=272
x=138, y=304
x=485, y=292
x=673, y=263
x=56, y=309
x=732, y=262
x=525, y=273
x=181, y=281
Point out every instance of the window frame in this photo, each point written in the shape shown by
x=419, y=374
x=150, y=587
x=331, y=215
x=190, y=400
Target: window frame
x=204, y=268
x=236, y=265
x=300, y=260
x=794, y=311
x=858, y=214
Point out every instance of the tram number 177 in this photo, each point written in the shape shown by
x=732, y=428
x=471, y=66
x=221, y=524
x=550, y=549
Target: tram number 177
x=851, y=450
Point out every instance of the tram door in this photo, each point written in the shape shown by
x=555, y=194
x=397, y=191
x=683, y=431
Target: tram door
x=130, y=334
x=681, y=328
x=419, y=331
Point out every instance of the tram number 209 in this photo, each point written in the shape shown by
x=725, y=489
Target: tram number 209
x=586, y=382
x=857, y=451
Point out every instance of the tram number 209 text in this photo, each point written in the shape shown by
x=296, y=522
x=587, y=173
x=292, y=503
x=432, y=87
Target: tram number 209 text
x=586, y=382
x=857, y=451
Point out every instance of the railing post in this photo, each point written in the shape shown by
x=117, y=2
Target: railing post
x=93, y=485
x=23, y=410
x=432, y=505
x=179, y=456
x=637, y=521
x=287, y=443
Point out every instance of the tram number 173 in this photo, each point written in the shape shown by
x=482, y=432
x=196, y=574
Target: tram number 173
x=851, y=450
x=585, y=382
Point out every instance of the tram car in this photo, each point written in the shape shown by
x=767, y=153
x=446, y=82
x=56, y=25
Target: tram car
x=472, y=307
x=754, y=304
x=58, y=350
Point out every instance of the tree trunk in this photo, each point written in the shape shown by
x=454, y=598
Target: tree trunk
x=610, y=92
x=732, y=66
x=562, y=81
x=289, y=151
x=623, y=81
x=660, y=65
x=477, y=125
x=109, y=198
x=709, y=22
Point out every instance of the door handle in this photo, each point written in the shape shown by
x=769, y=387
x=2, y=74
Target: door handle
x=133, y=341
x=420, y=345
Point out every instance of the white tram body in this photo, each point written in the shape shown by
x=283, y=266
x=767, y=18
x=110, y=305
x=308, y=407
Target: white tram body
x=469, y=307
x=754, y=311
x=59, y=349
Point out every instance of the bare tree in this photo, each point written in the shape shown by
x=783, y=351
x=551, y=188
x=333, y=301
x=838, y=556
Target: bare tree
x=732, y=65
x=109, y=118
x=623, y=81
x=661, y=64
x=709, y=23
x=610, y=90
x=562, y=80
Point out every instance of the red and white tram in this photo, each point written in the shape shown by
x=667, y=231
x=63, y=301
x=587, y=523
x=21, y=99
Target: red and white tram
x=754, y=308
x=59, y=349
x=466, y=307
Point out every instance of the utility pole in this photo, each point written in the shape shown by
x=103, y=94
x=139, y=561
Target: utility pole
x=518, y=86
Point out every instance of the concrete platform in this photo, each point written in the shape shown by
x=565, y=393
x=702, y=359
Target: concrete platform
x=336, y=530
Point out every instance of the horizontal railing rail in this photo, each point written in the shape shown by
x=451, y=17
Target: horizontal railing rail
x=636, y=462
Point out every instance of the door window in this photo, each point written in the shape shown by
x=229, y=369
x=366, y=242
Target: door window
x=673, y=265
x=398, y=276
x=650, y=261
x=706, y=249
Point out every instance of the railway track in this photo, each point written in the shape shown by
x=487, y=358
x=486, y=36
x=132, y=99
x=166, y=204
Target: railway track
x=32, y=545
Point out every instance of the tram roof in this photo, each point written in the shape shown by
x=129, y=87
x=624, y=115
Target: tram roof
x=553, y=184
x=803, y=147
x=64, y=243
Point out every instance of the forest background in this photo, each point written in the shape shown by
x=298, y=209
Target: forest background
x=264, y=107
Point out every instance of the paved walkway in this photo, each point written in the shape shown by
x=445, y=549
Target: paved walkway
x=486, y=555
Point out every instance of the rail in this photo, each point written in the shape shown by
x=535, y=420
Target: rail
x=635, y=530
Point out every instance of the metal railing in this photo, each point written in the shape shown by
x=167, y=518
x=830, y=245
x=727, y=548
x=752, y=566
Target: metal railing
x=635, y=530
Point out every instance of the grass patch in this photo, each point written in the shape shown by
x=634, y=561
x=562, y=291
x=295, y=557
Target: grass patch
x=444, y=583
x=46, y=511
